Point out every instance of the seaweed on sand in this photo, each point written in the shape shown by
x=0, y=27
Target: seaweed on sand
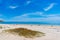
x=25, y=32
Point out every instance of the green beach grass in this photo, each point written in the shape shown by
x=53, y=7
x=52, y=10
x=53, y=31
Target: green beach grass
x=1, y=27
x=25, y=32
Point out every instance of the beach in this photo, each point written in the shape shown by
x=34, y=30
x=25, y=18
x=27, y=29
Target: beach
x=52, y=32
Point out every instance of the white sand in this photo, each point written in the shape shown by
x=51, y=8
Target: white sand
x=51, y=33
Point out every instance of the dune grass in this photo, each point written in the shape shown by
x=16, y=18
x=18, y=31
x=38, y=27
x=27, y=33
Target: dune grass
x=25, y=32
x=1, y=27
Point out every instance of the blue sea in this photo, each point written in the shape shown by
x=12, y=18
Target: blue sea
x=41, y=23
x=21, y=23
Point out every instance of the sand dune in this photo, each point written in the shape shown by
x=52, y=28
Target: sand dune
x=51, y=33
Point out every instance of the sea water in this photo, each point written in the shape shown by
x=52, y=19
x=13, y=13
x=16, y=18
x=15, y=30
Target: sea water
x=41, y=23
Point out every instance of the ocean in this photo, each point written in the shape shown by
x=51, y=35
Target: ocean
x=41, y=23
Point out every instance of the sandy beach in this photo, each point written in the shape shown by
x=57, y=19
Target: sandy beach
x=51, y=32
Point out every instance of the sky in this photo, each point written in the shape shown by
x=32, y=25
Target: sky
x=30, y=11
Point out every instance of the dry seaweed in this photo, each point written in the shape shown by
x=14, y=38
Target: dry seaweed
x=25, y=32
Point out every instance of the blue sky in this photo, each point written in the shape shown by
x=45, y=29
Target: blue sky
x=30, y=10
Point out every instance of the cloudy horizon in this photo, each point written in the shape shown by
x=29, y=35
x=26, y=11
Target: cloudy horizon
x=30, y=11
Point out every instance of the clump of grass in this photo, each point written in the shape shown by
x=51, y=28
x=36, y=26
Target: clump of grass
x=25, y=32
x=1, y=27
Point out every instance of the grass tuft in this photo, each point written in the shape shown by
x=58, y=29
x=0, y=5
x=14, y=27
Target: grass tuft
x=25, y=32
x=1, y=27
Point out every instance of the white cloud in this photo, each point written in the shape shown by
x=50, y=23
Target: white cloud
x=28, y=2
x=26, y=16
x=30, y=14
x=51, y=18
x=13, y=7
x=1, y=18
x=50, y=6
x=37, y=14
x=33, y=13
